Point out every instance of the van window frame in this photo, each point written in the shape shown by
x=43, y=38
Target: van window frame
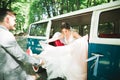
x=94, y=29
x=109, y=33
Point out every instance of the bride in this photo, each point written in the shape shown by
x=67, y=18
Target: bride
x=68, y=61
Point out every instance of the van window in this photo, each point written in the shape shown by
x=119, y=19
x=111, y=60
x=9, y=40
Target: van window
x=80, y=23
x=38, y=29
x=109, y=24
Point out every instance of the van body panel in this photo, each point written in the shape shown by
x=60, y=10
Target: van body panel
x=108, y=65
x=34, y=45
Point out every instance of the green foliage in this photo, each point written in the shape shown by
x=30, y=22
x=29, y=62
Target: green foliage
x=35, y=11
x=21, y=10
x=29, y=11
x=39, y=9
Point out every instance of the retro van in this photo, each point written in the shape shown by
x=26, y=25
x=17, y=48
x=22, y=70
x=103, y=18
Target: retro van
x=101, y=23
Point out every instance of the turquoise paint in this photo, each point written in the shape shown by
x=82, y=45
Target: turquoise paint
x=109, y=64
x=34, y=45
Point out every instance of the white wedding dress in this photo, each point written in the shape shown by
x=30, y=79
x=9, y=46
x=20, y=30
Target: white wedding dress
x=68, y=62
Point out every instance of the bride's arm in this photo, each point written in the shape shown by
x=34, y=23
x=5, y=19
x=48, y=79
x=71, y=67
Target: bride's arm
x=55, y=38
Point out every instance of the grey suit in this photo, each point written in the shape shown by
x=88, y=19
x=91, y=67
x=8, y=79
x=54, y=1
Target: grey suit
x=11, y=55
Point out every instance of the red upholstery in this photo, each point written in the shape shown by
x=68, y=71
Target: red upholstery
x=58, y=43
x=109, y=35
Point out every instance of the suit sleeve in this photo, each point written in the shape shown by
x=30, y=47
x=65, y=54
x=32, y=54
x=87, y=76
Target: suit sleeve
x=11, y=46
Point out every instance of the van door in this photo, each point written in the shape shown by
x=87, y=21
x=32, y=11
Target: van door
x=104, y=43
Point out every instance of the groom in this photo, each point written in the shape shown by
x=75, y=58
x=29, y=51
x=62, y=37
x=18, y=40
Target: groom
x=11, y=55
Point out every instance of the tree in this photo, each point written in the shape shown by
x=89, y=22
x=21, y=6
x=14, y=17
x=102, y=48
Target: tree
x=5, y=4
x=21, y=10
x=29, y=11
